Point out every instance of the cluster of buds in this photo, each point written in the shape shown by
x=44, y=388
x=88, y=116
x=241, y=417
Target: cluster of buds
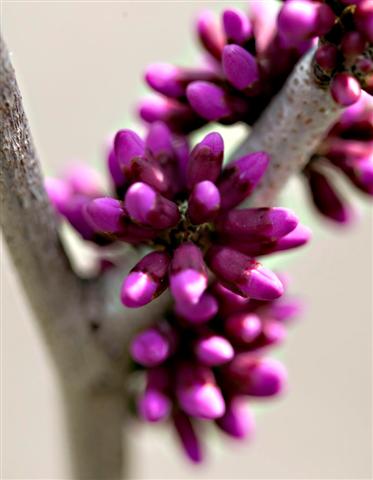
x=183, y=207
x=249, y=58
x=71, y=194
x=345, y=56
x=198, y=371
x=348, y=148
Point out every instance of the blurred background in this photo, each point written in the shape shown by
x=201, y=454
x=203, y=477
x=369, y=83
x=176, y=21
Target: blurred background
x=79, y=66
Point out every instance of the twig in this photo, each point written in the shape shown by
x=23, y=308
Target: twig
x=290, y=129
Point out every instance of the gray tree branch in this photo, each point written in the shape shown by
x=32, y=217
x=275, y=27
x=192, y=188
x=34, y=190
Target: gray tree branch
x=61, y=302
x=290, y=129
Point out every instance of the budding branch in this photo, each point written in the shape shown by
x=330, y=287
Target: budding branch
x=86, y=333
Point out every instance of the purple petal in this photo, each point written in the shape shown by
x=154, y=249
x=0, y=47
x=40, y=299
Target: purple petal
x=296, y=238
x=115, y=171
x=153, y=406
x=146, y=206
x=243, y=274
x=105, y=214
x=159, y=140
x=239, y=179
x=206, y=160
x=84, y=180
x=208, y=100
x=59, y=193
x=164, y=78
x=240, y=67
x=188, y=286
x=256, y=377
x=138, y=289
x=345, y=89
x=146, y=280
x=188, y=437
x=243, y=327
x=364, y=19
x=237, y=26
x=326, y=198
x=149, y=348
x=204, y=202
x=197, y=392
x=213, y=350
x=127, y=146
x=210, y=33
x=257, y=223
x=298, y=19
x=201, y=312
x=238, y=420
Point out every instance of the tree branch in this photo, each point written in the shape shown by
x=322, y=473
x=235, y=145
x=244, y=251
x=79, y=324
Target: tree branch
x=290, y=129
x=61, y=301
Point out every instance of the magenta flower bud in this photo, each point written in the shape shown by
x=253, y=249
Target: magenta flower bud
x=197, y=392
x=188, y=274
x=206, y=160
x=105, y=215
x=59, y=193
x=256, y=223
x=208, y=100
x=149, y=348
x=243, y=327
x=239, y=179
x=177, y=116
x=326, y=56
x=255, y=377
x=84, y=180
x=298, y=19
x=154, y=109
x=345, y=89
x=213, y=350
x=364, y=19
x=238, y=420
x=352, y=114
x=147, y=207
x=188, y=286
x=74, y=212
x=147, y=280
x=159, y=142
x=153, y=406
x=138, y=289
x=298, y=237
x=273, y=333
x=229, y=301
x=127, y=146
x=237, y=26
x=353, y=44
x=165, y=79
x=243, y=274
x=360, y=173
x=240, y=67
x=263, y=16
x=201, y=312
x=326, y=198
x=285, y=310
x=325, y=19
x=210, y=34
x=204, y=202
x=116, y=172
x=187, y=436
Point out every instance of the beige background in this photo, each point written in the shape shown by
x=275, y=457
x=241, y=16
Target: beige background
x=79, y=67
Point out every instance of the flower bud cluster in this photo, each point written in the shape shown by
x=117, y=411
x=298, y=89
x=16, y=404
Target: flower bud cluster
x=211, y=369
